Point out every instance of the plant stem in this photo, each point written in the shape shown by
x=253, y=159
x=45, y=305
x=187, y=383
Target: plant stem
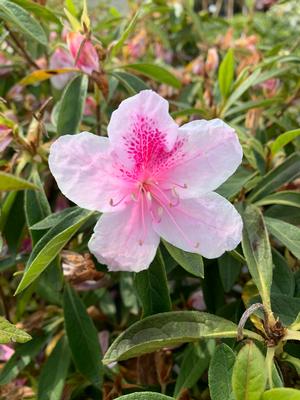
x=269, y=365
x=21, y=48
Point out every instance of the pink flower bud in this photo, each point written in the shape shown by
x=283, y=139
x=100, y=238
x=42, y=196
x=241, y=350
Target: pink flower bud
x=83, y=52
x=212, y=60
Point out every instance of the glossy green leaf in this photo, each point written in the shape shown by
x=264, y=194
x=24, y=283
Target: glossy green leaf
x=38, y=10
x=155, y=72
x=229, y=269
x=49, y=246
x=152, y=287
x=283, y=139
x=53, y=219
x=54, y=372
x=257, y=251
x=281, y=394
x=130, y=82
x=71, y=105
x=284, y=173
x=220, y=373
x=191, y=262
x=235, y=183
x=287, y=198
x=145, y=396
x=36, y=207
x=169, y=329
x=9, y=333
x=195, y=362
x=283, y=277
x=10, y=182
x=22, y=21
x=226, y=73
x=285, y=307
x=249, y=374
x=287, y=234
x=82, y=337
x=23, y=355
x=240, y=90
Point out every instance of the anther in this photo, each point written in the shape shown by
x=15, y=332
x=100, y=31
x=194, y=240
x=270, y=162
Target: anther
x=141, y=242
x=197, y=245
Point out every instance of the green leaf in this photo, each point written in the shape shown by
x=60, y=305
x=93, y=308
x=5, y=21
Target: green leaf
x=284, y=173
x=249, y=375
x=195, y=362
x=36, y=207
x=152, y=287
x=286, y=198
x=285, y=307
x=257, y=251
x=226, y=73
x=229, y=269
x=169, y=329
x=22, y=21
x=10, y=182
x=235, y=183
x=145, y=396
x=248, y=105
x=155, y=72
x=281, y=394
x=71, y=105
x=130, y=82
x=54, y=372
x=283, y=277
x=82, y=337
x=283, y=139
x=239, y=91
x=49, y=246
x=191, y=262
x=127, y=31
x=38, y=10
x=23, y=355
x=287, y=234
x=53, y=219
x=9, y=333
x=220, y=373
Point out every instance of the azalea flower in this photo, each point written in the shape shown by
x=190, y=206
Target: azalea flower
x=151, y=179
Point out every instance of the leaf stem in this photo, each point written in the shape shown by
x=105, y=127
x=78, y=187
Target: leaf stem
x=269, y=365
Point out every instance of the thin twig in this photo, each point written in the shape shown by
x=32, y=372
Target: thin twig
x=21, y=48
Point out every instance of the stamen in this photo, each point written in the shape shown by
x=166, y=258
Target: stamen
x=149, y=197
x=141, y=242
x=166, y=198
x=197, y=245
x=173, y=220
x=184, y=186
x=111, y=201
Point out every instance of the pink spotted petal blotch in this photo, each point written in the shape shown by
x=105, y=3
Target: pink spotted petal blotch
x=151, y=179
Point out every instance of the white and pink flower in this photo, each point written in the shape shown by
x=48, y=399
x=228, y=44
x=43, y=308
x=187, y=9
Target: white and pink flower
x=151, y=179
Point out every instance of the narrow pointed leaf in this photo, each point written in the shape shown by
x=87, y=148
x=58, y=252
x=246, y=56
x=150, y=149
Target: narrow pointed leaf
x=152, y=288
x=257, y=251
x=23, y=21
x=286, y=233
x=170, y=329
x=10, y=182
x=82, y=337
x=49, y=246
x=220, y=373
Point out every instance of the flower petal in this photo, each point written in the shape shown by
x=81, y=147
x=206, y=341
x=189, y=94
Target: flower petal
x=124, y=241
x=140, y=125
x=82, y=167
x=212, y=153
x=209, y=225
